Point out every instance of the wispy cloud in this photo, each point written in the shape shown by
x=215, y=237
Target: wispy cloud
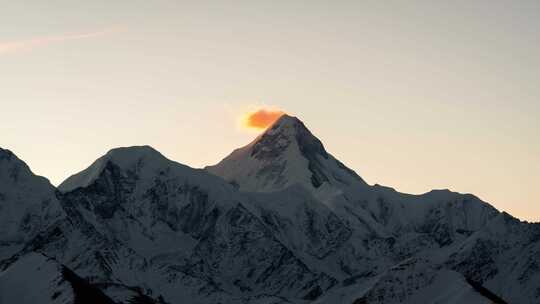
x=28, y=44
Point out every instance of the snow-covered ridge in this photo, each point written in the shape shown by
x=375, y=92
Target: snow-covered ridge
x=144, y=162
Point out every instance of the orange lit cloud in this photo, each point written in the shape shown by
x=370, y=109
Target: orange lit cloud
x=21, y=45
x=262, y=118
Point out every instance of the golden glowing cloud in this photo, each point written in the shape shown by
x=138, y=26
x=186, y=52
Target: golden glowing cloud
x=261, y=119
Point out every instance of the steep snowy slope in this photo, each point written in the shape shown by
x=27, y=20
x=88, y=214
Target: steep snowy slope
x=504, y=257
x=27, y=204
x=412, y=281
x=33, y=279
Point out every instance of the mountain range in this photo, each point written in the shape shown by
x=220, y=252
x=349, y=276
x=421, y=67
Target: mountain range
x=277, y=221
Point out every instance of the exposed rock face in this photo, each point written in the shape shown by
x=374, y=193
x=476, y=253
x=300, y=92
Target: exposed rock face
x=278, y=221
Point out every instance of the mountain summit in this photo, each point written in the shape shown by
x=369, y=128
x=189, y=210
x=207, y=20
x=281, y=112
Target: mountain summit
x=286, y=153
x=129, y=158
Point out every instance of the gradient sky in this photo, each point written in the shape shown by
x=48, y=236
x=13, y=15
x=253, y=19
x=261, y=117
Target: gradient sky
x=412, y=94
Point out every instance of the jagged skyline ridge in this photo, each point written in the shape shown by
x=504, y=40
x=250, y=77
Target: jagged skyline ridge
x=286, y=124
x=133, y=206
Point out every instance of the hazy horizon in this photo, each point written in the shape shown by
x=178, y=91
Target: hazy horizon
x=418, y=95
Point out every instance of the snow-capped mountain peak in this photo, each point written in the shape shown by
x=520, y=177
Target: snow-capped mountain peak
x=286, y=153
x=134, y=159
x=284, y=131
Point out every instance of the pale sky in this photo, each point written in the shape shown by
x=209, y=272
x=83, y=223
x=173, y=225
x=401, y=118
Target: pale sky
x=415, y=95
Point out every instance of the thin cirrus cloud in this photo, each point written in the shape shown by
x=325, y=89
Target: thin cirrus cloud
x=30, y=44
